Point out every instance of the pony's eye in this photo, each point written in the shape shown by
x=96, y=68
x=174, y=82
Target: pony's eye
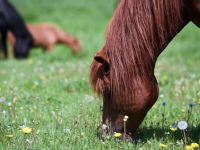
x=106, y=68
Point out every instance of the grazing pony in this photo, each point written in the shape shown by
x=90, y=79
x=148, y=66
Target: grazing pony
x=10, y=20
x=47, y=35
x=123, y=71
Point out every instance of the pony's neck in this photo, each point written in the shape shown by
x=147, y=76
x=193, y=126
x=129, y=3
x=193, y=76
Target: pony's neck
x=139, y=32
x=169, y=36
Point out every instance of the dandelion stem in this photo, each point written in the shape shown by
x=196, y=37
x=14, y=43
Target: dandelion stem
x=189, y=114
x=163, y=119
x=124, y=130
x=185, y=138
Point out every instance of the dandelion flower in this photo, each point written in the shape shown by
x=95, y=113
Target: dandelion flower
x=30, y=61
x=10, y=136
x=117, y=135
x=182, y=125
x=195, y=145
x=163, y=145
x=188, y=147
x=26, y=130
x=173, y=129
x=198, y=102
x=183, y=110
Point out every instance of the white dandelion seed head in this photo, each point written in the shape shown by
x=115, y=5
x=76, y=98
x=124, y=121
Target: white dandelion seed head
x=125, y=118
x=2, y=100
x=161, y=95
x=22, y=74
x=182, y=125
x=9, y=104
x=36, y=83
x=4, y=112
x=67, y=131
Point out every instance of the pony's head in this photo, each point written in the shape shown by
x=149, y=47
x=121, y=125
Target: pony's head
x=22, y=48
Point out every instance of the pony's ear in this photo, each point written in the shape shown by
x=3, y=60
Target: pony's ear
x=102, y=58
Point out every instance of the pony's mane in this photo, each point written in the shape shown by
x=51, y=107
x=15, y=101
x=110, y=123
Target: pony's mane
x=138, y=32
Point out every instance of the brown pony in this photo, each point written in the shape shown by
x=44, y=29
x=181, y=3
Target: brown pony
x=47, y=35
x=123, y=71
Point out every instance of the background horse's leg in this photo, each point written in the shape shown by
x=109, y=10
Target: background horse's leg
x=70, y=41
x=4, y=43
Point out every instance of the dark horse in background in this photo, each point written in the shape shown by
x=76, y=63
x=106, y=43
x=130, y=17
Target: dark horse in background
x=10, y=20
x=123, y=71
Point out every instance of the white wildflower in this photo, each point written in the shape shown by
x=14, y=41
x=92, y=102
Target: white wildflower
x=104, y=127
x=182, y=125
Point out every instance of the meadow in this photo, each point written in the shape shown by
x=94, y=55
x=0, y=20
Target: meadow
x=50, y=92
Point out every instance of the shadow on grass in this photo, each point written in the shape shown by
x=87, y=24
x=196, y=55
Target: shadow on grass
x=144, y=134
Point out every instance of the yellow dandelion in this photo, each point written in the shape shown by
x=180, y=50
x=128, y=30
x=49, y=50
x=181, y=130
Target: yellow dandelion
x=173, y=129
x=30, y=61
x=117, y=135
x=183, y=110
x=26, y=130
x=188, y=147
x=9, y=135
x=163, y=145
x=198, y=102
x=195, y=145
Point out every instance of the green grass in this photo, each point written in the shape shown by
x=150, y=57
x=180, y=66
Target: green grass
x=50, y=92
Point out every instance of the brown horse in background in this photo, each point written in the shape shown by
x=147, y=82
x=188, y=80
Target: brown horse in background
x=123, y=71
x=47, y=36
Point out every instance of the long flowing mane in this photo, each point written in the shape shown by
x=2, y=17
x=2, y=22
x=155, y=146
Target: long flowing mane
x=137, y=34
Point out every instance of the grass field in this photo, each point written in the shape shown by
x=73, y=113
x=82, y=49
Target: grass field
x=50, y=93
